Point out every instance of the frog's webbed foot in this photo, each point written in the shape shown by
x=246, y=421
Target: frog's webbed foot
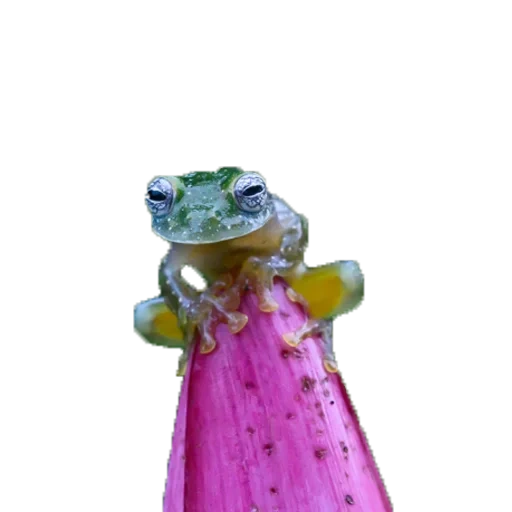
x=311, y=328
x=257, y=274
x=215, y=305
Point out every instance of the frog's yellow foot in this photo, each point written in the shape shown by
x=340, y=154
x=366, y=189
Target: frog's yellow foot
x=258, y=275
x=311, y=328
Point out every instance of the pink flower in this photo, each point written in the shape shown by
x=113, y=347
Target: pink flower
x=262, y=427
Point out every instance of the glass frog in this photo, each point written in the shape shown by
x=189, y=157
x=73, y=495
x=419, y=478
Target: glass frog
x=239, y=237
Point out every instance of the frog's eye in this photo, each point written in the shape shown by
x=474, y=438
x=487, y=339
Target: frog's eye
x=251, y=192
x=159, y=197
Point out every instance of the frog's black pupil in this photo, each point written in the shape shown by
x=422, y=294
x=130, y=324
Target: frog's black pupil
x=156, y=195
x=252, y=191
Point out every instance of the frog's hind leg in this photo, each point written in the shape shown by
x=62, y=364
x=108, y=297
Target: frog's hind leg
x=311, y=328
x=325, y=292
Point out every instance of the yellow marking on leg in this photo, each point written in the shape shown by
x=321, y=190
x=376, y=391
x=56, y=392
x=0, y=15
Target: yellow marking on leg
x=165, y=323
x=330, y=290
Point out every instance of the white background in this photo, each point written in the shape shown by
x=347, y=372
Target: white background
x=430, y=284
x=387, y=123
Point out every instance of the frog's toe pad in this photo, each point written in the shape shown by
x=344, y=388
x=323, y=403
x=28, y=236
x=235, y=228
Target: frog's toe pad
x=330, y=365
x=291, y=339
x=292, y=295
x=208, y=347
x=269, y=305
x=237, y=321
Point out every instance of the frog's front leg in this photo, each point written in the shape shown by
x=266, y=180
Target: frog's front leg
x=196, y=310
x=215, y=305
x=258, y=272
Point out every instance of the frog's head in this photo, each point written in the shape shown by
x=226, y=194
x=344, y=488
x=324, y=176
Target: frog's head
x=208, y=207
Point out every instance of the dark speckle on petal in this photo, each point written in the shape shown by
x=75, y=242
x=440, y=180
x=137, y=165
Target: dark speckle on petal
x=349, y=499
x=321, y=453
x=307, y=384
x=268, y=448
x=298, y=354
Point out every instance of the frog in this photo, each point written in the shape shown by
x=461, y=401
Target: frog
x=239, y=237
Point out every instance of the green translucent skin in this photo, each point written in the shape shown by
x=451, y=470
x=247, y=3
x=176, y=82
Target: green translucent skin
x=205, y=209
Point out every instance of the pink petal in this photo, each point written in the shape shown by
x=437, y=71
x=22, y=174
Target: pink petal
x=262, y=427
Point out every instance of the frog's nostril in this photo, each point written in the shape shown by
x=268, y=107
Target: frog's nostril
x=156, y=195
x=252, y=191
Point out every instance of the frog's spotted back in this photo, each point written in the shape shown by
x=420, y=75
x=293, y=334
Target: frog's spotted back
x=222, y=178
x=204, y=209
